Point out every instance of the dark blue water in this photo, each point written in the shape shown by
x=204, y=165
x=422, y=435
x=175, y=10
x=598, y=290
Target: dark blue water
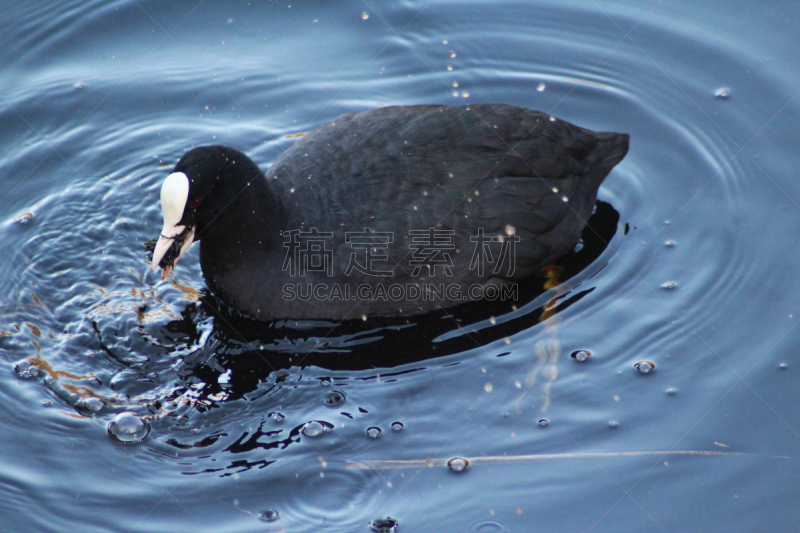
x=98, y=100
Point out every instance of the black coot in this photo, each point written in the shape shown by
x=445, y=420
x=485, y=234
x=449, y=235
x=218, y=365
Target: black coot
x=390, y=212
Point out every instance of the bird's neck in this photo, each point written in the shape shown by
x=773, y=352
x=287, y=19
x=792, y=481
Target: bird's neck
x=247, y=228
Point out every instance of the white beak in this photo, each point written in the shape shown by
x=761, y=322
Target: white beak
x=174, y=194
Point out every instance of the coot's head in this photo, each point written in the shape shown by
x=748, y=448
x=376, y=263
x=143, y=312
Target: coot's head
x=203, y=184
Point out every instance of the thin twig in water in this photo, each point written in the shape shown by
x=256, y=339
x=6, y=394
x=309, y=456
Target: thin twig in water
x=502, y=459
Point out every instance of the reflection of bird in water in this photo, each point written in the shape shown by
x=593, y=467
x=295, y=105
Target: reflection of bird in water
x=548, y=347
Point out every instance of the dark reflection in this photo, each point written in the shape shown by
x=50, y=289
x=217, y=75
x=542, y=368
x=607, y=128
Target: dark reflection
x=250, y=351
x=232, y=358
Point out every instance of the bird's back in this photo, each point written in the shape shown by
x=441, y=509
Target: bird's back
x=461, y=170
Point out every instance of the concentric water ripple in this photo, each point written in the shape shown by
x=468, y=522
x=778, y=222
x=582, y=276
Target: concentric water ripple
x=99, y=103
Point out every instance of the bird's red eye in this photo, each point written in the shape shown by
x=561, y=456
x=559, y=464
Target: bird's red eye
x=196, y=203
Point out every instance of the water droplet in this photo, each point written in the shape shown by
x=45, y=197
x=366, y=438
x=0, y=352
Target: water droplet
x=25, y=369
x=543, y=422
x=645, y=367
x=540, y=87
x=671, y=391
x=364, y=15
x=397, y=426
x=783, y=366
x=669, y=244
x=373, y=432
x=276, y=416
x=613, y=424
x=669, y=286
x=457, y=464
x=581, y=355
x=128, y=428
x=334, y=398
x=268, y=515
x=384, y=525
x=313, y=429
x=722, y=93
x=91, y=404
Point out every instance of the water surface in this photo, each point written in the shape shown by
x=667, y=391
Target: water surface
x=100, y=99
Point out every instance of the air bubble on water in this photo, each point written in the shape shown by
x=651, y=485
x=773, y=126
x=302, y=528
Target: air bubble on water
x=128, y=428
x=397, y=426
x=334, y=398
x=268, y=515
x=313, y=429
x=783, y=366
x=723, y=93
x=669, y=244
x=578, y=246
x=25, y=369
x=671, y=391
x=540, y=88
x=644, y=367
x=374, y=432
x=91, y=404
x=384, y=525
x=276, y=416
x=364, y=15
x=669, y=286
x=613, y=424
x=457, y=464
x=581, y=355
x=543, y=422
